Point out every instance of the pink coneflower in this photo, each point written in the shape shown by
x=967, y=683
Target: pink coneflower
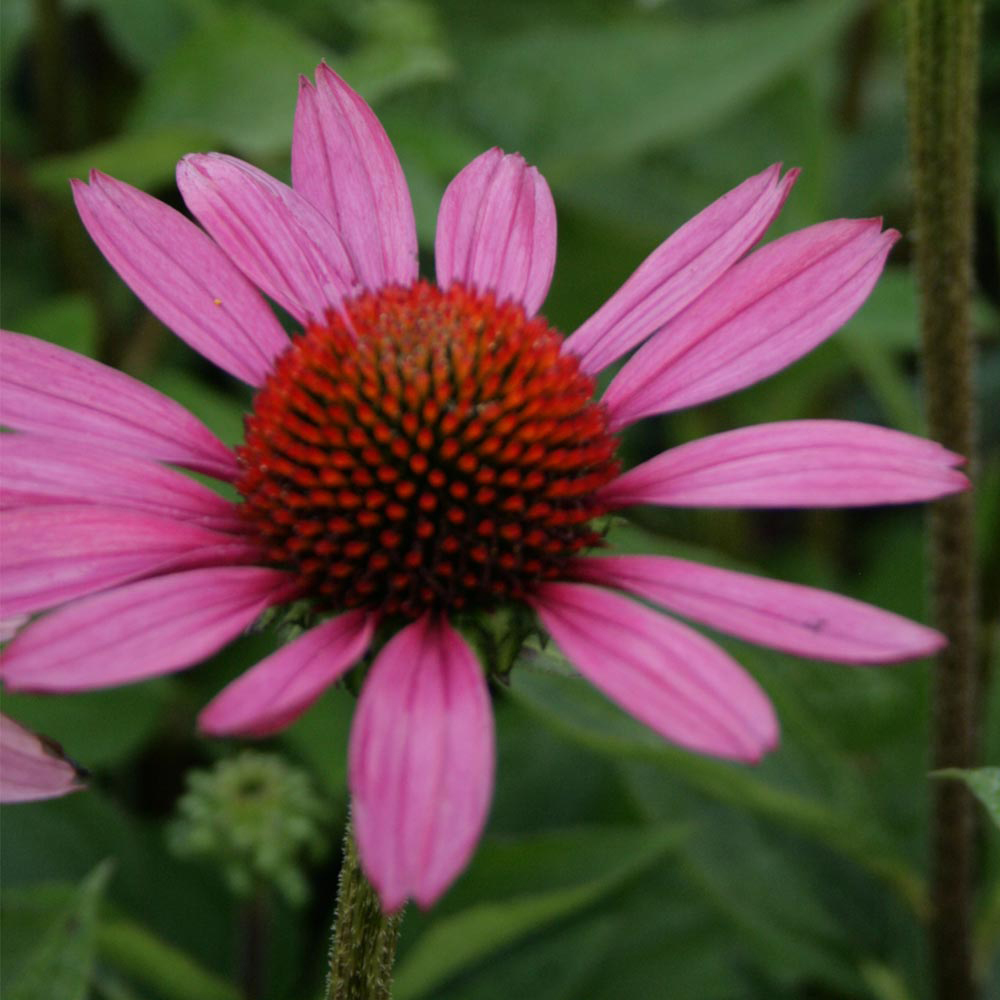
x=420, y=452
x=32, y=767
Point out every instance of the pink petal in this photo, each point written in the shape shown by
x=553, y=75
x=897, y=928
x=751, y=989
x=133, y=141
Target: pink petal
x=670, y=678
x=141, y=630
x=761, y=315
x=32, y=768
x=53, y=554
x=279, y=241
x=280, y=688
x=681, y=268
x=52, y=391
x=184, y=279
x=796, y=463
x=343, y=162
x=37, y=471
x=496, y=231
x=786, y=616
x=421, y=763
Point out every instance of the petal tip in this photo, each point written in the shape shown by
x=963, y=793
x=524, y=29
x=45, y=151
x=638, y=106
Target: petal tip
x=936, y=641
x=211, y=721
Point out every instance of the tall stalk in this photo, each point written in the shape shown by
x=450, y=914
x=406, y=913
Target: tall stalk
x=364, y=938
x=942, y=63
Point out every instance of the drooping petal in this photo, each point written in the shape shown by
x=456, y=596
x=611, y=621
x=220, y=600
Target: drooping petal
x=795, y=463
x=421, y=763
x=280, y=688
x=37, y=471
x=280, y=241
x=140, y=630
x=496, y=230
x=58, y=393
x=343, y=162
x=760, y=316
x=785, y=616
x=184, y=279
x=681, y=268
x=666, y=675
x=32, y=768
x=53, y=554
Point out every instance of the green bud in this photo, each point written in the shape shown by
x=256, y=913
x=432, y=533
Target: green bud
x=256, y=816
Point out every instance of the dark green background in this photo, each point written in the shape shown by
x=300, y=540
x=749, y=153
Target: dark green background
x=613, y=866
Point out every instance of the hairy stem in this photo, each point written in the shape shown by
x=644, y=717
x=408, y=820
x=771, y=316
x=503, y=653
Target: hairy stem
x=364, y=938
x=942, y=62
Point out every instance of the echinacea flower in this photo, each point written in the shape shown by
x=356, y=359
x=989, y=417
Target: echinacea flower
x=33, y=767
x=424, y=451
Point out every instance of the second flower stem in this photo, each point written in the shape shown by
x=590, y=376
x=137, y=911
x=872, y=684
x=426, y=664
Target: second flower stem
x=943, y=57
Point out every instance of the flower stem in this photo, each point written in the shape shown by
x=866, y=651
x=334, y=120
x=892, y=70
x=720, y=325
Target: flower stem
x=942, y=63
x=254, y=921
x=364, y=938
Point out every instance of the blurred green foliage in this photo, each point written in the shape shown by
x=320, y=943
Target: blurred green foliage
x=614, y=866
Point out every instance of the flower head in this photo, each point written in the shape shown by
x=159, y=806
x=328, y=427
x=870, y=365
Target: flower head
x=422, y=451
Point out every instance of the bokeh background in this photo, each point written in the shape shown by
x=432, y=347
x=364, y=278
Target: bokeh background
x=613, y=866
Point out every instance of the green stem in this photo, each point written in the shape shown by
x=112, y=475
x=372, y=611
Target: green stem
x=364, y=938
x=253, y=944
x=942, y=63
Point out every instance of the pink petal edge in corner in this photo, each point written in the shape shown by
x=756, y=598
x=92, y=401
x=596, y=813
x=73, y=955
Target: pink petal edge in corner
x=57, y=393
x=421, y=763
x=787, y=616
x=496, y=231
x=764, y=313
x=277, y=239
x=274, y=693
x=681, y=268
x=344, y=164
x=183, y=278
x=661, y=672
x=31, y=767
x=141, y=630
x=793, y=463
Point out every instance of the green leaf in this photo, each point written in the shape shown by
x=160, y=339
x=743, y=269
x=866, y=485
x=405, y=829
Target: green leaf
x=62, y=839
x=60, y=963
x=517, y=887
x=401, y=46
x=137, y=711
x=575, y=709
x=68, y=321
x=593, y=94
x=234, y=76
x=984, y=782
x=146, y=159
x=15, y=27
x=320, y=738
x=145, y=31
x=149, y=960
x=223, y=414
